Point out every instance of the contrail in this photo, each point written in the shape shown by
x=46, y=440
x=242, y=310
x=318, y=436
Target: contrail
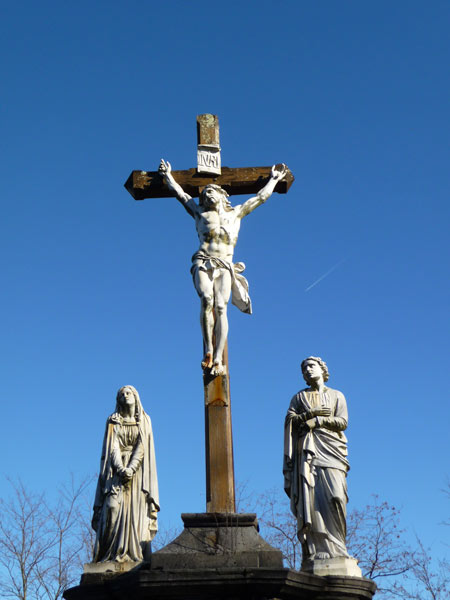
x=324, y=275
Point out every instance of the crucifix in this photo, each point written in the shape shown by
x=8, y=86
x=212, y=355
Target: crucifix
x=215, y=276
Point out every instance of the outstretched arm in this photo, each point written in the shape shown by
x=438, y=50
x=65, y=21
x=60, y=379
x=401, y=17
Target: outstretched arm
x=278, y=173
x=165, y=170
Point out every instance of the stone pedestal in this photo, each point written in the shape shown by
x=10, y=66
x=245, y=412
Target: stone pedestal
x=108, y=569
x=347, y=567
x=217, y=556
x=217, y=540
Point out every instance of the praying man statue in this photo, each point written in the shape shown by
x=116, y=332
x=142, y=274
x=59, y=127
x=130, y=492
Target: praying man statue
x=215, y=276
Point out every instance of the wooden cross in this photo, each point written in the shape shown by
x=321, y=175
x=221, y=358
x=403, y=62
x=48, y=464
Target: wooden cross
x=244, y=180
x=220, y=489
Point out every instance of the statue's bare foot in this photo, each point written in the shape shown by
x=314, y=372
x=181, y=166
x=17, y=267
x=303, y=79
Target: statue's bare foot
x=218, y=368
x=207, y=361
x=322, y=555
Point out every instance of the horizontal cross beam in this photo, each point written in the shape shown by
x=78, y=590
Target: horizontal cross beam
x=243, y=180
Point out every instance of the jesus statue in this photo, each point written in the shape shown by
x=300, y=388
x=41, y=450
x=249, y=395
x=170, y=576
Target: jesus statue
x=215, y=276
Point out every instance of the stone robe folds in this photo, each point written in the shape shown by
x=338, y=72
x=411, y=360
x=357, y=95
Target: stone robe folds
x=315, y=467
x=125, y=513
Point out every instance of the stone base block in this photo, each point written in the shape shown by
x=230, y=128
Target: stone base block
x=224, y=584
x=93, y=572
x=211, y=540
x=347, y=567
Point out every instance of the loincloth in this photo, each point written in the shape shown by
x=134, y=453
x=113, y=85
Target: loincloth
x=201, y=261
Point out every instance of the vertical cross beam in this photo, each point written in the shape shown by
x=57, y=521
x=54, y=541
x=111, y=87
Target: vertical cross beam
x=220, y=494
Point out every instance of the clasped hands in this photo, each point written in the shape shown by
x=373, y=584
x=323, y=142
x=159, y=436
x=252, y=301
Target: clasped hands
x=126, y=474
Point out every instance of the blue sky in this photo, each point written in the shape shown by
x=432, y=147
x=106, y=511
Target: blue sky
x=353, y=97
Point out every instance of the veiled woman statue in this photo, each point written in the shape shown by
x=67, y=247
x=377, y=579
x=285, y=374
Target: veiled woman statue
x=315, y=466
x=126, y=500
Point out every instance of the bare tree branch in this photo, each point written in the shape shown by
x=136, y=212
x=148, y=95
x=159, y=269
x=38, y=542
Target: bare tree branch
x=25, y=539
x=39, y=543
x=375, y=538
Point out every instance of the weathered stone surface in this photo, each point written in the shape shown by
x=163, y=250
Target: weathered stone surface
x=238, y=583
x=333, y=566
x=217, y=540
x=109, y=568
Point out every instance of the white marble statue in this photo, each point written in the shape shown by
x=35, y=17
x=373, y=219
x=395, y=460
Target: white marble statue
x=315, y=466
x=215, y=276
x=126, y=500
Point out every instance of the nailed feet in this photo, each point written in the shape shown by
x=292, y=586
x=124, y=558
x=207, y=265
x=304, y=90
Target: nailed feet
x=216, y=367
x=207, y=361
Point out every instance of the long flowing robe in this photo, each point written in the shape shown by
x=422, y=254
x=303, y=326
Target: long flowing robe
x=125, y=513
x=315, y=467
